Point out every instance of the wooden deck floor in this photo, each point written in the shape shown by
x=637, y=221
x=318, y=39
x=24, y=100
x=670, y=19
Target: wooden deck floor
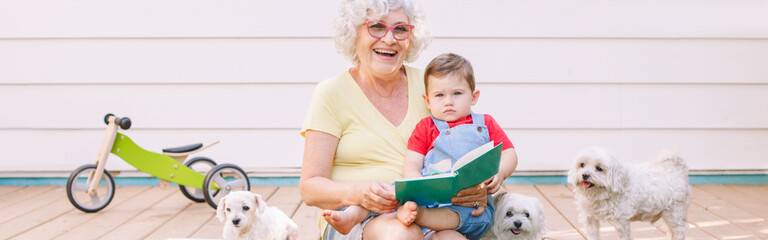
x=139, y=212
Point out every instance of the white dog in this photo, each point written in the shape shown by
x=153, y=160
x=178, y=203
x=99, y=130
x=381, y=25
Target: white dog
x=516, y=217
x=246, y=216
x=607, y=189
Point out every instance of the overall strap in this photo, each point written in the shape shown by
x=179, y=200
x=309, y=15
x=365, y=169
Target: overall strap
x=478, y=118
x=440, y=124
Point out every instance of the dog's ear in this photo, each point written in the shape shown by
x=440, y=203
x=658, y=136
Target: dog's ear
x=540, y=217
x=498, y=197
x=259, y=202
x=220, y=209
x=618, y=176
x=573, y=179
x=573, y=176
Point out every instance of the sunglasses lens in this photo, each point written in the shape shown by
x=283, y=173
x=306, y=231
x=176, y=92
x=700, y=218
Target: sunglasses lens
x=377, y=30
x=402, y=31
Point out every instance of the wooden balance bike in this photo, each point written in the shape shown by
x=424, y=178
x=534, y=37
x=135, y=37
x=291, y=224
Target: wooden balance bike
x=90, y=187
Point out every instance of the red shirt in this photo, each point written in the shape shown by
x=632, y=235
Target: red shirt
x=426, y=132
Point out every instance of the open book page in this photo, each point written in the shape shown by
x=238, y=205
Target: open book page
x=428, y=177
x=480, y=169
x=473, y=168
x=471, y=155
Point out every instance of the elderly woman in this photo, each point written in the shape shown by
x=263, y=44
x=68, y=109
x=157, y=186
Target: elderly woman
x=359, y=122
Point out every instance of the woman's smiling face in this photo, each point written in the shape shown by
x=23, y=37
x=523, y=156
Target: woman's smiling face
x=382, y=56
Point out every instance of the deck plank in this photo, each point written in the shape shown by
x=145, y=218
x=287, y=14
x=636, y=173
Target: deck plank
x=27, y=201
x=558, y=227
x=710, y=223
x=43, y=212
x=287, y=199
x=212, y=228
x=74, y=217
x=306, y=218
x=152, y=218
x=185, y=223
x=35, y=216
x=22, y=194
x=266, y=192
x=119, y=215
x=738, y=199
x=757, y=192
x=9, y=189
x=736, y=216
x=714, y=225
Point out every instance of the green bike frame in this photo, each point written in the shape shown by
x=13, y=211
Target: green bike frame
x=156, y=164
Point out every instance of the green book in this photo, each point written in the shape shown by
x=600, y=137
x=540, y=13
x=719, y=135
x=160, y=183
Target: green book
x=473, y=168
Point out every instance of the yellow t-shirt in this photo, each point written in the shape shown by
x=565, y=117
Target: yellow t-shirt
x=370, y=147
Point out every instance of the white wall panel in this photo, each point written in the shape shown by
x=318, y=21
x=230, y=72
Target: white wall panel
x=169, y=60
x=627, y=106
x=156, y=106
x=57, y=150
x=454, y=18
x=609, y=60
x=556, y=149
x=165, y=18
x=600, y=18
x=311, y=60
x=254, y=150
x=634, y=76
x=265, y=106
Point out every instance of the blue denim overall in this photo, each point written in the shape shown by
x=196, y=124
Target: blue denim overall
x=452, y=143
x=449, y=146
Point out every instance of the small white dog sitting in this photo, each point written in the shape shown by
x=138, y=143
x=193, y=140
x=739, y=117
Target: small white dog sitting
x=607, y=189
x=516, y=217
x=246, y=216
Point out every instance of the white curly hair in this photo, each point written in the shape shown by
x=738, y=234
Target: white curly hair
x=352, y=13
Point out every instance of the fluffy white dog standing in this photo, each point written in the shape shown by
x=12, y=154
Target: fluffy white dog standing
x=246, y=216
x=607, y=189
x=516, y=217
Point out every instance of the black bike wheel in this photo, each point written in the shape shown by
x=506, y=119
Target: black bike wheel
x=227, y=178
x=77, y=189
x=201, y=165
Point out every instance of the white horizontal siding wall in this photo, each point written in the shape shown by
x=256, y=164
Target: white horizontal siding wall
x=634, y=76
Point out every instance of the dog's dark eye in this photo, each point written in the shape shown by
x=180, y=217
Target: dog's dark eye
x=509, y=214
x=599, y=169
x=228, y=210
x=245, y=208
x=582, y=164
x=527, y=215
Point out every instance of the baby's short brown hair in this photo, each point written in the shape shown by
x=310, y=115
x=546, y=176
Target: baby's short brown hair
x=447, y=64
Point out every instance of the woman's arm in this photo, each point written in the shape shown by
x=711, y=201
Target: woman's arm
x=317, y=189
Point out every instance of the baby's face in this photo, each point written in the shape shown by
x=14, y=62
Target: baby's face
x=449, y=97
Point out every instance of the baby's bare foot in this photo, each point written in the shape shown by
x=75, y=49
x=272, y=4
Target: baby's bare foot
x=339, y=220
x=407, y=213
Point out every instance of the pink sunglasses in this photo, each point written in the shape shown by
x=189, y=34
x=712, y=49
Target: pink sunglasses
x=378, y=30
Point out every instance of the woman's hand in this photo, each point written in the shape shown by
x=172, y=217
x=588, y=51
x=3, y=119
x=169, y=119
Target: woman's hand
x=379, y=197
x=469, y=196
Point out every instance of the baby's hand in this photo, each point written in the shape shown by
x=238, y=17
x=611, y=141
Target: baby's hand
x=494, y=184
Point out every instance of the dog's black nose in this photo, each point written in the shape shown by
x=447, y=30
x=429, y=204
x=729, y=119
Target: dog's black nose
x=585, y=176
x=518, y=223
x=235, y=221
